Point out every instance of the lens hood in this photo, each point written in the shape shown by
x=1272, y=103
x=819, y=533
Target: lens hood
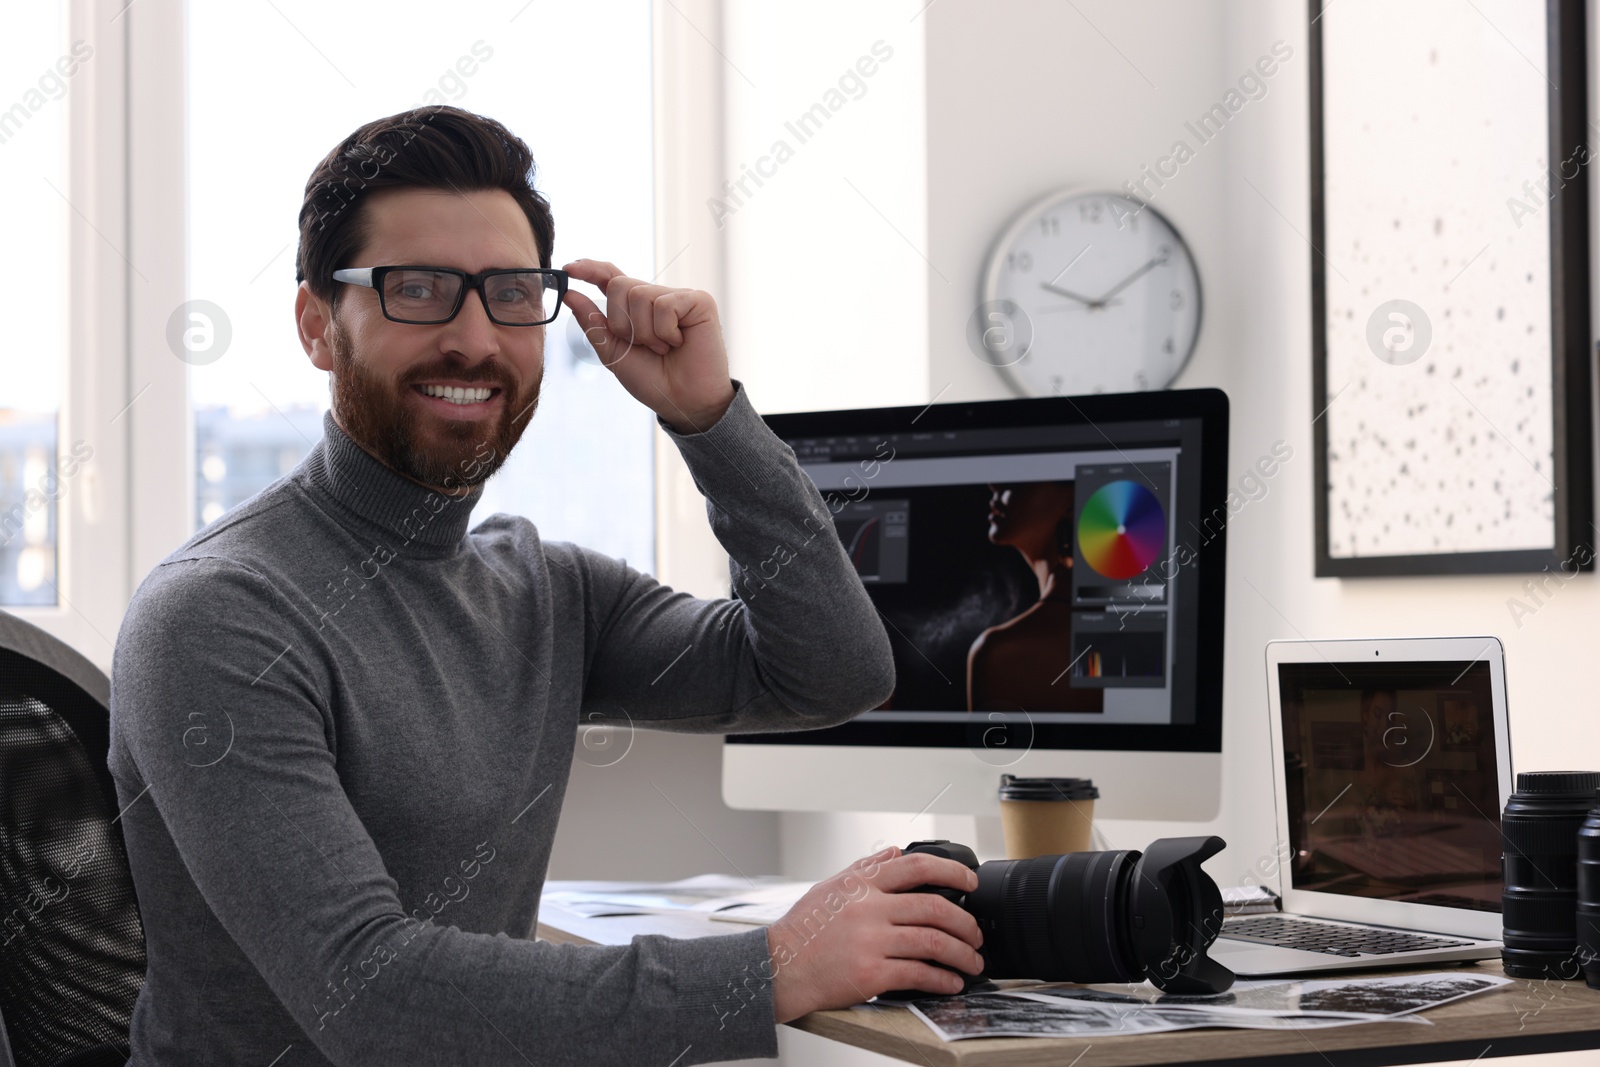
x=1176, y=914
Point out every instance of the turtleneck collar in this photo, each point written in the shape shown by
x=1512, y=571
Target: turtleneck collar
x=412, y=517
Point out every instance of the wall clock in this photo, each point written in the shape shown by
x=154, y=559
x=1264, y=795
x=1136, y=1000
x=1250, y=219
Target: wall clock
x=1088, y=292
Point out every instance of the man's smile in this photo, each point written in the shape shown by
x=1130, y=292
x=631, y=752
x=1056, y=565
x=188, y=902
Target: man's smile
x=459, y=400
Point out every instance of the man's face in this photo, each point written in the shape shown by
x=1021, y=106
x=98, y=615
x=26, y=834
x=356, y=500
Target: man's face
x=380, y=368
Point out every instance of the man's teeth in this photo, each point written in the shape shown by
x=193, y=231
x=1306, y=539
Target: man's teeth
x=456, y=394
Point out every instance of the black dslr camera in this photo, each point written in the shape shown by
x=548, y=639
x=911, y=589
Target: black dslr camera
x=1093, y=916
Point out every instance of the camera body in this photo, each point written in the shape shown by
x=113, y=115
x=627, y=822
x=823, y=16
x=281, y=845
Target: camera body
x=1122, y=916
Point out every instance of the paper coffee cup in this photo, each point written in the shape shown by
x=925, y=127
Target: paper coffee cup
x=1046, y=816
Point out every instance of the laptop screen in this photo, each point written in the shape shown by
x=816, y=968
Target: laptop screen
x=1391, y=781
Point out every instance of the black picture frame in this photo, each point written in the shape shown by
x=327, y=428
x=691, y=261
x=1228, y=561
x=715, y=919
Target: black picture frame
x=1572, y=349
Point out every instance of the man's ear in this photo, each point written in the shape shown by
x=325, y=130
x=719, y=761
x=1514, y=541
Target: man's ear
x=313, y=320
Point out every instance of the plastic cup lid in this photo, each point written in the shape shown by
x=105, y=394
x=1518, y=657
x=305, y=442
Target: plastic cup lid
x=1014, y=788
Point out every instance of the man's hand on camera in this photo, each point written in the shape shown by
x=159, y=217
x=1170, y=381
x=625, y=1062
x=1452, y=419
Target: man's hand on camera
x=663, y=344
x=856, y=935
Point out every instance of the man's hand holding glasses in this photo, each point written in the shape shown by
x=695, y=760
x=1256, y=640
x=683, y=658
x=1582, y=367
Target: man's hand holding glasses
x=663, y=344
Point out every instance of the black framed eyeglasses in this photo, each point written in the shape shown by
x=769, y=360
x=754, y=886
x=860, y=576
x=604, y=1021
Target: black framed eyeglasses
x=427, y=296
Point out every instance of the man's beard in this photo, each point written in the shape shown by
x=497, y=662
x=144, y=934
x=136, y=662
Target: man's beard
x=462, y=452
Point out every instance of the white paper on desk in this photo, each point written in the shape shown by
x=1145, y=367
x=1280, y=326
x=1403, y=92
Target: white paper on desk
x=752, y=915
x=702, y=893
x=775, y=893
x=1249, y=900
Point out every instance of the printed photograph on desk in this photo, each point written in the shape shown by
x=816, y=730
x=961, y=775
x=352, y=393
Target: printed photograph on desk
x=1070, y=1011
x=1365, y=997
x=1013, y=1015
x=999, y=1015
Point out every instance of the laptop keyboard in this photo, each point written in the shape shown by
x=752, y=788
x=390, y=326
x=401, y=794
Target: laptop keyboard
x=1332, y=938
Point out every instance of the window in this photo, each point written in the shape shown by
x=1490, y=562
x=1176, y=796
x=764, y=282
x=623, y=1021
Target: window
x=573, y=81
x=35, y=53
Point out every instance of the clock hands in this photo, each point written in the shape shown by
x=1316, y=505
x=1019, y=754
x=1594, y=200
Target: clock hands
x=1069, y=293
x=1105, y=300
x=1087, y=307
x=1130, y=279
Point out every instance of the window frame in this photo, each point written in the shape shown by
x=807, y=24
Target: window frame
x=687, y=101
x=127, y=395
x=102, y=512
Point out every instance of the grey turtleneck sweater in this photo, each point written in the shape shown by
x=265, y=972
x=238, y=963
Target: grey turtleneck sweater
x=341, y=729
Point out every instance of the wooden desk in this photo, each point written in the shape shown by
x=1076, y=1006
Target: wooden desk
x=1519, y=1019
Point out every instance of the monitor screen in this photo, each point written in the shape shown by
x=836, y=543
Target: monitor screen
x=1391, y=780
x=1048, y=568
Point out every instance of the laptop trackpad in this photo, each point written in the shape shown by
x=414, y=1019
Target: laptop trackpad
x=1250, y=958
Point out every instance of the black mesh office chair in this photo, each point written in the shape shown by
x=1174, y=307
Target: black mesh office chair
x=71, y=941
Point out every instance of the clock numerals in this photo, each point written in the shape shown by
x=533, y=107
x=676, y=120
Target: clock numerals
x=1140, y=381
x=1167, y=348
x=1050, y=226
x=1175, y=301
x=1019, y=261
x=1091, y=210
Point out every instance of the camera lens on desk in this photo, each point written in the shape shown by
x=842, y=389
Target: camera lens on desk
x=1121, y=916
x=1539, y=871
x=1589, y=896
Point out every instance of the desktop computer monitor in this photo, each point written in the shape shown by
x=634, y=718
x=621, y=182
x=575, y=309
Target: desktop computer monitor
x=1050, y=575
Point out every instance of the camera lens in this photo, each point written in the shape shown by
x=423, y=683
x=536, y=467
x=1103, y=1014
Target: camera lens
x=1539, y=871
x=1589, y=896
x=1094, y=916
x=1057, y=918
x=1122, y=916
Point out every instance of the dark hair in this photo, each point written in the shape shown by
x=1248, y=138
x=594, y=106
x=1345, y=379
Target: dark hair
x=1066, y=531
x=433, y=147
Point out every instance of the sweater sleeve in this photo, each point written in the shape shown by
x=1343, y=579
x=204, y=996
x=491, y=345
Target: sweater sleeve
x=271, y=842
x=800, y=647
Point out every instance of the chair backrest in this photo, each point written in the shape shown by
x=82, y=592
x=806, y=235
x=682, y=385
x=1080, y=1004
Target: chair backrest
x=71, y=942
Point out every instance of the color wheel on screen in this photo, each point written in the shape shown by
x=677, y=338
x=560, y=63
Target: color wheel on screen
x=1122, y=529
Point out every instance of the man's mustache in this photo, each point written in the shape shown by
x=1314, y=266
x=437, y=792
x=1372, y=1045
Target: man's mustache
x=490, y=377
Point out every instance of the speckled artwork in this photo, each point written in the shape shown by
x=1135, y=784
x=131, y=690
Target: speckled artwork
x=1437, y=181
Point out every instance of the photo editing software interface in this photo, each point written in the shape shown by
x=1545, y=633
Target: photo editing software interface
x=1392, y=782
x=1046, y=573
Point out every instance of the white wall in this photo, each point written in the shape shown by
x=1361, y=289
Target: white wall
x=826, y=304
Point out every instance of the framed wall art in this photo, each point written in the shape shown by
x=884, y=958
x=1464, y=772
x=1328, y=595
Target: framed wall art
x=1451, y=335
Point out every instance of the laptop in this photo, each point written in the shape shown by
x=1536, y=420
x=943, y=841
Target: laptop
x=1391, y=763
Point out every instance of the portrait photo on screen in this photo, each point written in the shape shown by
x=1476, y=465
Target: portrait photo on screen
x=977, y=594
